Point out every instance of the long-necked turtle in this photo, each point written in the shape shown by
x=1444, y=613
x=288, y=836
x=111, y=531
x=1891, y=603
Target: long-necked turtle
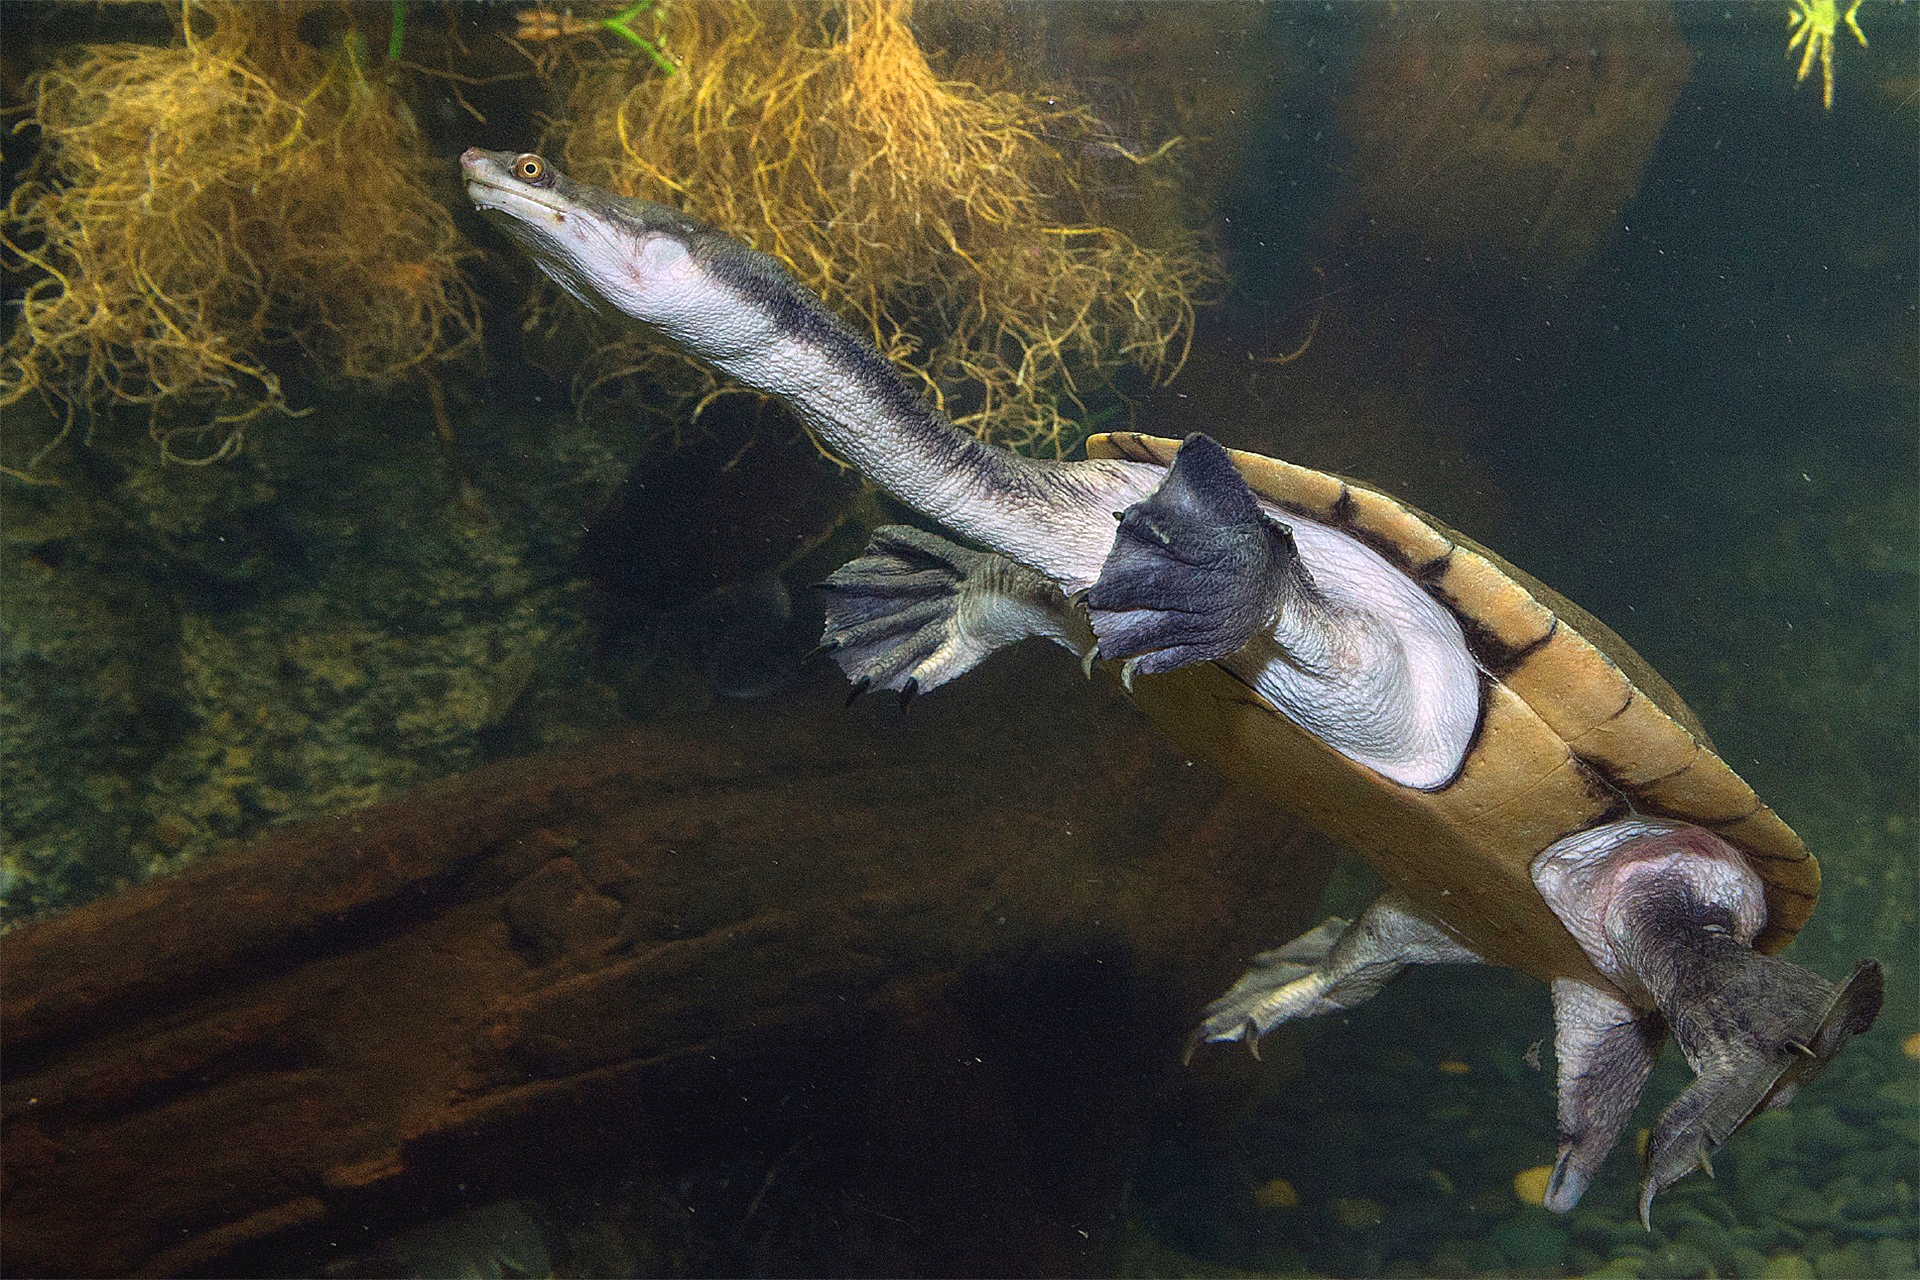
x=1534, y=794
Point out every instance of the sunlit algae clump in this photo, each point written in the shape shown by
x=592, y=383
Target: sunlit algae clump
x=198, y=206
x=976, y=230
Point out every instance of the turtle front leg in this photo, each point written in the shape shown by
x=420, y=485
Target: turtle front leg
x=1333, y=966
x=916, y=611
x=1197, y=570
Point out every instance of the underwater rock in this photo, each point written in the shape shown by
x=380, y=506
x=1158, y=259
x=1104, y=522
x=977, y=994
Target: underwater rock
x=1530, y=1184
x=1356, y=1213
x=1849, y=1262
x=1707, y=1238
x=1787, y=1266
x=1807, y=1209
x=1678, y=1260
x=596, y=958
x=703, y=550
x=1897, y=1256
x=744, y=492
x=492, y=1242
x=1820, y=1134
x=1531, y=1242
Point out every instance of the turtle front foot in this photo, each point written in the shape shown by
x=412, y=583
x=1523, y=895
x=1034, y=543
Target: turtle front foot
x=1196, y=570
x=1333, y=966
x=916, y=611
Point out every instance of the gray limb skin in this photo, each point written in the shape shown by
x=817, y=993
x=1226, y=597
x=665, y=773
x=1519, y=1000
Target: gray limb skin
x=1605, y=1050
x=1754, y=1028
x=916, y=610
x=1333, y=966
x=1197, y=569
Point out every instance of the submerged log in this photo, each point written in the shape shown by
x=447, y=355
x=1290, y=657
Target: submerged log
x=977, y=937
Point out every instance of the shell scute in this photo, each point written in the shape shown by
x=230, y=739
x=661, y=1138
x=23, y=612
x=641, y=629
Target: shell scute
x=1574, y=687
x=1506, y=624
x=1635, y=747
x=1388, y=526
x=1707, y=792
x=1617, y=721
x=1314, y=494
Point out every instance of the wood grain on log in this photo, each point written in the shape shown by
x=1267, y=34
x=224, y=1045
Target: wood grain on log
x=537, y=970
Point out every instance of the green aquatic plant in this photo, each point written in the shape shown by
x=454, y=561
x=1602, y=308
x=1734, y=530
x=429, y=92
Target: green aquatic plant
x=621, y=24
x=1814, y=24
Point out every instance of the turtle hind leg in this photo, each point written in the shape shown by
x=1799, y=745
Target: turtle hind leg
x=915, y=611
x=1755, y=1029
x=1196, y=570
x=1333, y=966
x=1604, y=1051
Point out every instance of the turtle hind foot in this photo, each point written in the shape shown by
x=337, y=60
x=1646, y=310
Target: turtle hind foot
x=1783, y=1040
x=1196, y=570
x=1284, y=983
x=916, y=611
x=1604, y=1051
x=1334, y=966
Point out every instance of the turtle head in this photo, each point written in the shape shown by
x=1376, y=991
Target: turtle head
x=1669, y=912
x=707, y=292
x=610, y=252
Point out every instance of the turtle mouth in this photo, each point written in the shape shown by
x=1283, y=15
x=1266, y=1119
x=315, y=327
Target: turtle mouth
x=520, y=202
x=492, y=192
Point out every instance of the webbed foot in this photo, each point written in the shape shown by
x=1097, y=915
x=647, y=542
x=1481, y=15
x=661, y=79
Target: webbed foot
x=1196, y=570
x=1605, y=1051
x=1333, y=966
x=916, y=611
x=1767, y=1028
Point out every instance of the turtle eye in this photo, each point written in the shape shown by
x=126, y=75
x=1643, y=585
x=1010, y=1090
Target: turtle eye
x=532, y=170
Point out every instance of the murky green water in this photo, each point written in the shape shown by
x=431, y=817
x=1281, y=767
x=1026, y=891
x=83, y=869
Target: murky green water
x=1600, y=287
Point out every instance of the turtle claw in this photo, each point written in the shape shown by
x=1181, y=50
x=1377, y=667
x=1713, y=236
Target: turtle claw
x=1196, y=570
x=1742, y=1074
x=916, y=611
x=1651, y=1188
x=1604, y=1051
x=1248, y=1033
x=1333, y=966
x=1268, y=994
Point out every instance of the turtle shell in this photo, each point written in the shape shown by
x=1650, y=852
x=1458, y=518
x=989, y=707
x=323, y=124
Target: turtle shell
x=1576, y=730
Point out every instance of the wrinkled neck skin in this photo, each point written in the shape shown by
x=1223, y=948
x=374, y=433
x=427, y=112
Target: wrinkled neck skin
x=1678, y=945
x=1054, y=516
